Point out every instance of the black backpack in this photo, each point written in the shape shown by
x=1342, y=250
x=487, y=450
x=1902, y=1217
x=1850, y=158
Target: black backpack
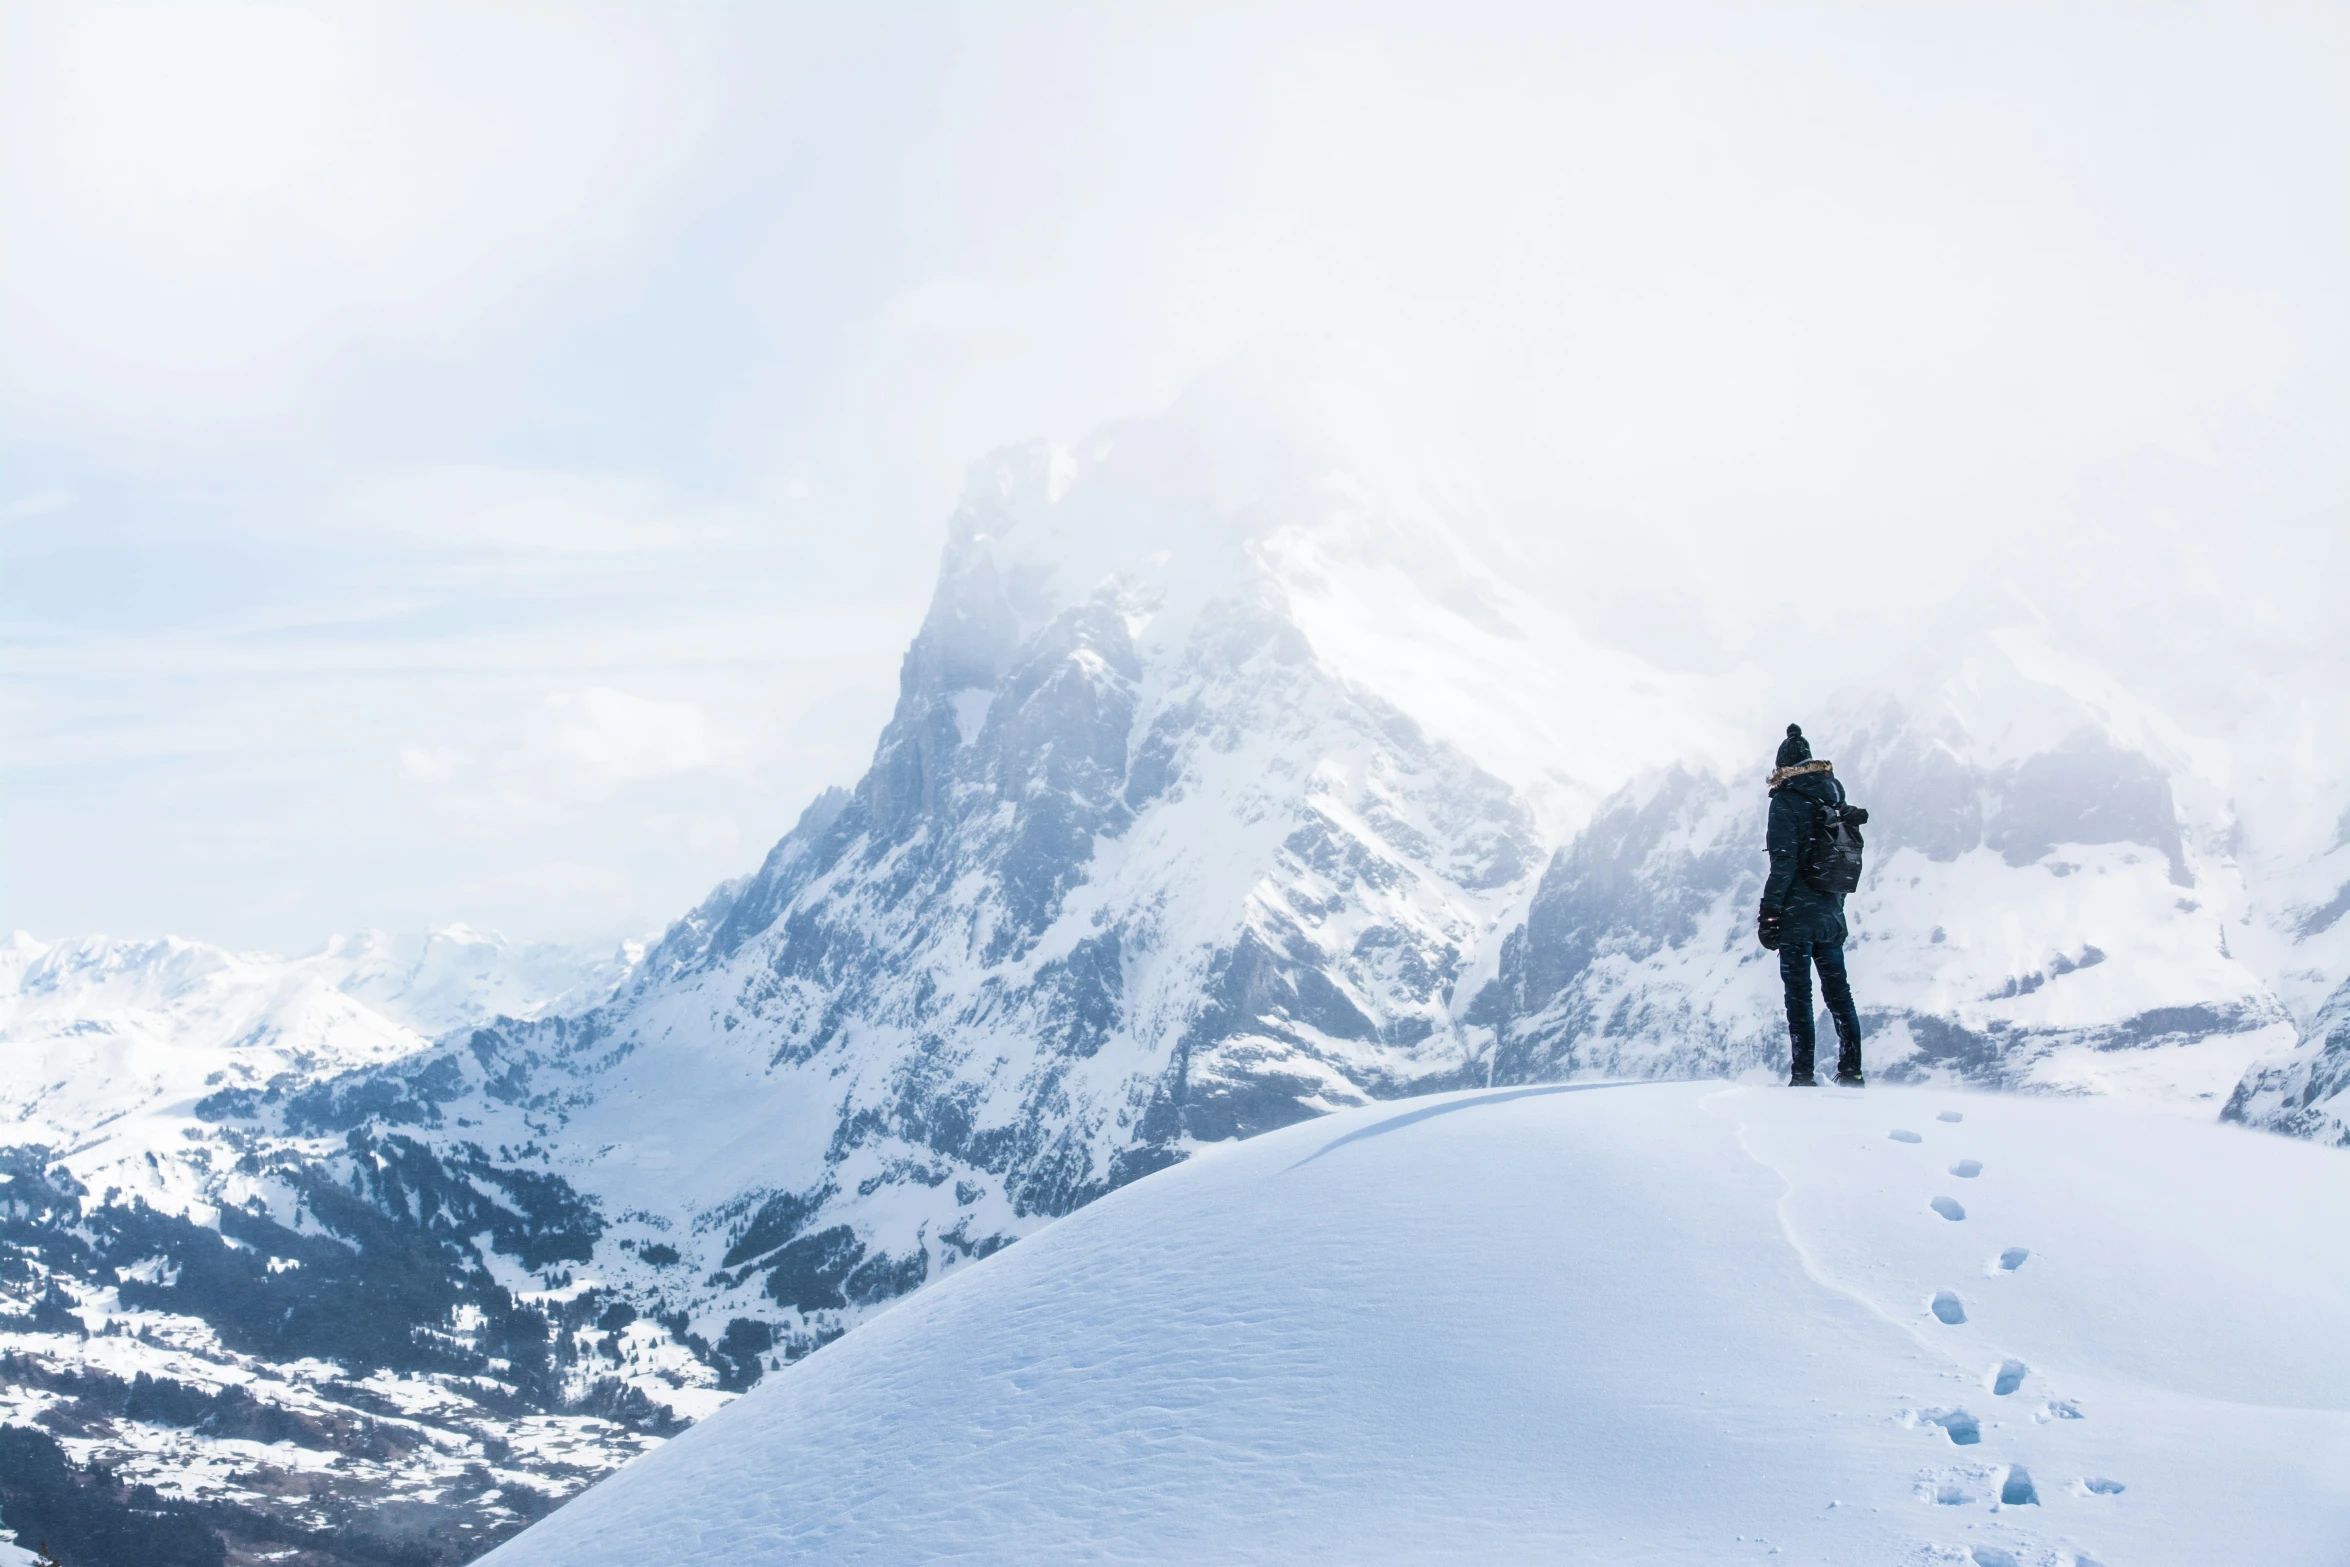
x=1831, y=855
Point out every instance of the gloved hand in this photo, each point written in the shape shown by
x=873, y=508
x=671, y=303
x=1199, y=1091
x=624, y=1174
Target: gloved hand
x=1766, y=931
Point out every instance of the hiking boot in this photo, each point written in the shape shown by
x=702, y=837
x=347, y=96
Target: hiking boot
x=1803, y=1080
x=1851, y=1080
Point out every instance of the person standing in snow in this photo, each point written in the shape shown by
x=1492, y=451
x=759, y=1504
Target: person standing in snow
x=1801, y=921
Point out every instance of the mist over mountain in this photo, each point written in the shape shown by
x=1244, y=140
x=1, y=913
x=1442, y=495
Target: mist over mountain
x=1042, y=732
x=1239, y=772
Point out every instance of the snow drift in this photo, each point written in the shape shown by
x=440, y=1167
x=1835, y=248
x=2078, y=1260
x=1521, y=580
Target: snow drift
x=1649, y=1323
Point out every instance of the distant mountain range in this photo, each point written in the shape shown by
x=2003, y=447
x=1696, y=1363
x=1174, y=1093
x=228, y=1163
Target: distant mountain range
x=1228, y=784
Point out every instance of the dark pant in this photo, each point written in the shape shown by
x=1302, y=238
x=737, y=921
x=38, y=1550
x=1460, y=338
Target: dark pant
x=1795, y=963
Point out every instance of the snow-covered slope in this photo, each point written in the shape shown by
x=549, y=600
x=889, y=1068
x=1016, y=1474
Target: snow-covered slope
x=326, y=1386
x=2050, y=904
x=109, y=1046
x=1219, y=794
x=1231, y=783
x=2305, y=1093
x=1234, y=779
x=1136, y=866
x=1650, y=1323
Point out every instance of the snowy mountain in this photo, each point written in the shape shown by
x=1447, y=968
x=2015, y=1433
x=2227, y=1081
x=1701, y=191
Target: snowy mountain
x=2049, y=908
x=317, y=1391
x=1592, y=1323
x=1135, y=868
x=111, y=1045
x=2307, y=1092
x=1234, y=780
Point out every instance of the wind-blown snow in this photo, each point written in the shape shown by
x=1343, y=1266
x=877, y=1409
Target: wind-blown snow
x=1653, y=1323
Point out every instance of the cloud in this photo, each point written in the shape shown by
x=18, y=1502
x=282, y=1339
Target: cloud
x=545, y=512
x=701, y=832
x=426, y=765
x=948, y=307
x=40, y=503
x=210, y=202
x=575, y=886
x=508, y=435
x=611, y=737
x=572, y=750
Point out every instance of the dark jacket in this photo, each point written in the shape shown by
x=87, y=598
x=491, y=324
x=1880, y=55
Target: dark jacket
x=1805, y=915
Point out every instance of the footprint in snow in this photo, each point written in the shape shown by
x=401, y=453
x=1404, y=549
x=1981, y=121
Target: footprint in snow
x=1993, y=1556
x=1951, y=1116
x=2009, y=1377
x=1967, y=1169
x=2012, y=1259
x=1949, y=1209
x=1962, y=1428
x=1900, y=1135
x=1948, y=1308
x=2096, y=1486
x=2017, y=1490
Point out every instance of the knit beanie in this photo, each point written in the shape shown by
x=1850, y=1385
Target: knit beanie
x=1794, y=748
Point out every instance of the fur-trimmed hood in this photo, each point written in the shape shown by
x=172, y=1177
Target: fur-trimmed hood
x=1799, y=770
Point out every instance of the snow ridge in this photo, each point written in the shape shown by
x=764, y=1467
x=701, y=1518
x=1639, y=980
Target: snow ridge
x=1500, y=1326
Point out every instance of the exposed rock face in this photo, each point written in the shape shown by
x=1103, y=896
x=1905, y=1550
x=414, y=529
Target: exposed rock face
x=2305, y=1093
x=1133, y=868
x=2040, y=921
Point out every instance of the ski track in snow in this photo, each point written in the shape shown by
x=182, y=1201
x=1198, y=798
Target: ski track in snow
x=1629, y=1323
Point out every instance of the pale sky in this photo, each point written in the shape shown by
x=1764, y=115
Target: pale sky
x=484, y=462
